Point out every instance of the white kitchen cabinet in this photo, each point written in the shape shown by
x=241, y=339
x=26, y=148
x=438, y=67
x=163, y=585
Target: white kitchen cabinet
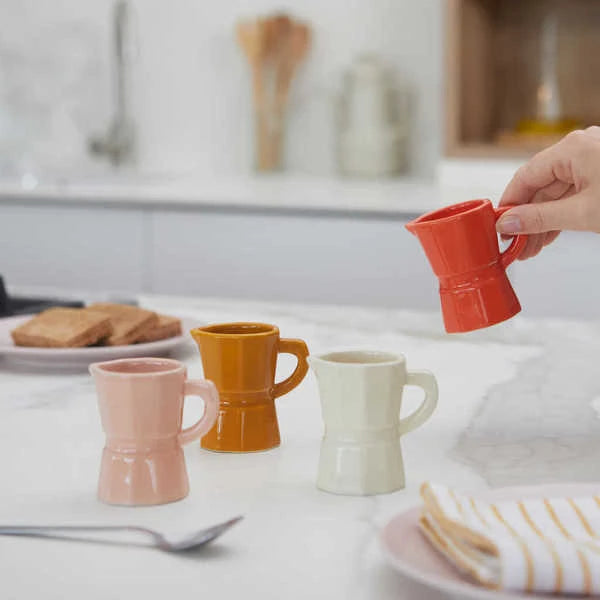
x=72, y=247
x=563, y=280
x=332, y=259
x=368, y=260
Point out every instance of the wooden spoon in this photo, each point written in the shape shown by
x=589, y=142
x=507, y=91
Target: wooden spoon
x=251, y=36
x=295, y=50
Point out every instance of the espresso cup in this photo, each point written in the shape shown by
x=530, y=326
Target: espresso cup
x=241, y=359
x=141, y=409
x=461, y=244
x=361, y=397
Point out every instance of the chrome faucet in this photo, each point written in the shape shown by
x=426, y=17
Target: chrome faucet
x=118, y=143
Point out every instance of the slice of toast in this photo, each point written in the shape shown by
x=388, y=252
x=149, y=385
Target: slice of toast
x=165, y=328
x=63, y=328
x=129, y=323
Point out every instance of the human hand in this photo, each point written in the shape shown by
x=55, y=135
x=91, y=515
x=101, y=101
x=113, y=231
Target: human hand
x=558, y=189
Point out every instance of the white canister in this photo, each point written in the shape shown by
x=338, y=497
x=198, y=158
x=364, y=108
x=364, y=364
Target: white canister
x=372, y=121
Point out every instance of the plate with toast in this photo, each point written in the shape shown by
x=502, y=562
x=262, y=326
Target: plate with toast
x=79, y=336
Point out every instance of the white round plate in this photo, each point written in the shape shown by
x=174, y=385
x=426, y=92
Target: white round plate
x=409, y=552
x=82, y=357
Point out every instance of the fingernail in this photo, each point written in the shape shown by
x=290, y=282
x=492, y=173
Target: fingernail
x=509, y=224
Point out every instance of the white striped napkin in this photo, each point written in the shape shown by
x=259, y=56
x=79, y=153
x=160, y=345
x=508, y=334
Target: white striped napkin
x=533, y=545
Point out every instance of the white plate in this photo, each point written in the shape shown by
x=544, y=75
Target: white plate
x=82, y=357
x=410, y=553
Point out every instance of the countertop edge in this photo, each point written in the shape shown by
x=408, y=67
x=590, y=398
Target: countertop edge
x=221, y=206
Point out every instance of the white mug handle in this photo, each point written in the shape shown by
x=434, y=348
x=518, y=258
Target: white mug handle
x=426, y=381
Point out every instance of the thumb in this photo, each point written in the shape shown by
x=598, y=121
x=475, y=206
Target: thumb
x=553, y=215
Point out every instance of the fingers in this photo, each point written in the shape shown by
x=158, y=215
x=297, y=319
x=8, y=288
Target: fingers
x=550, y=237
x=552, y=192
x=536, y=242
x=555, y=163
x=594, y=131
x=534, y=245
x=555, y=215
x=542, y=170
x=556, y=190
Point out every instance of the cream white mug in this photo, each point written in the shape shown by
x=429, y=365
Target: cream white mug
x=361, y=396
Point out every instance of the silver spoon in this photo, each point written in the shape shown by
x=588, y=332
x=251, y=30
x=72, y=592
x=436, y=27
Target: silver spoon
x=189, y=541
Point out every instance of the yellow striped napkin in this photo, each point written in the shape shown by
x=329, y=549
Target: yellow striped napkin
x=533, y=545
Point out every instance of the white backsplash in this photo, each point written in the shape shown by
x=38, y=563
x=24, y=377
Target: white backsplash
x=192, y=83
x=53, y=83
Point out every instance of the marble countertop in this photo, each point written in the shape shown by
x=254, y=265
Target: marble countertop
x=518, y=405
x=281, y=192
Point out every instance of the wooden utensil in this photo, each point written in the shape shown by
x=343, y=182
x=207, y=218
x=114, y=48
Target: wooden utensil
x=274, y=47
x=295, y=49
x=251, y=36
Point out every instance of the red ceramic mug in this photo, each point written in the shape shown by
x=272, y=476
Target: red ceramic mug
x=461, y=244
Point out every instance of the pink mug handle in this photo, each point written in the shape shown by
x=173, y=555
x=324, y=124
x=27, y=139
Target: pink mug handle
x=208, y=392
x=516, y=246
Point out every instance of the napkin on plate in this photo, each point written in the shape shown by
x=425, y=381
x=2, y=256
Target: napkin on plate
x=532, y=545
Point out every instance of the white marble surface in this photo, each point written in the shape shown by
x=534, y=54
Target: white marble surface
x=280, y=192
x=277, y=192
x=518, y=404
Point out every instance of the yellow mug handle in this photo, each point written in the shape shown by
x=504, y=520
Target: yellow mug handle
x=299, y=349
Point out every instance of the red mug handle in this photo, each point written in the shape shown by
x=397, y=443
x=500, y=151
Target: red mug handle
x=516, y=246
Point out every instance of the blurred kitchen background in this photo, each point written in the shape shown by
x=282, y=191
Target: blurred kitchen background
x=187, y=148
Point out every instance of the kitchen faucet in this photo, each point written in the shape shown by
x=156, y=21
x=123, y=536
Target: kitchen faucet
x=118, y=143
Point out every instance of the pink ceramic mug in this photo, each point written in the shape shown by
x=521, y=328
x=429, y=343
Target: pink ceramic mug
x=141, y=408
